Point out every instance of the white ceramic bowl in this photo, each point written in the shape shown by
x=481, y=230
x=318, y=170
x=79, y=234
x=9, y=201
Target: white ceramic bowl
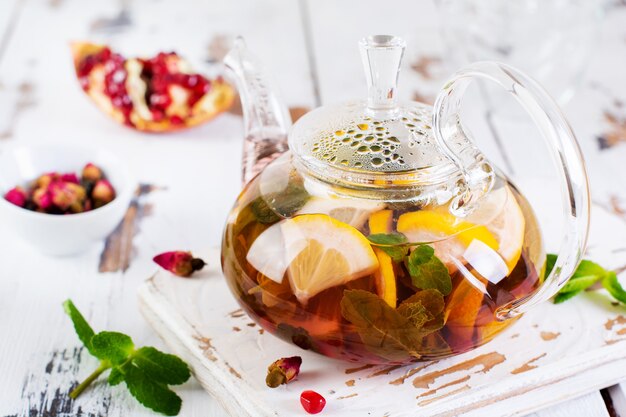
x=62, y=234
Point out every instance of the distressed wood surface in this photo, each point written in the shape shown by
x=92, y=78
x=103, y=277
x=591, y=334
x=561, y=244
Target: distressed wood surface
x=195, y=174
x=552, y=354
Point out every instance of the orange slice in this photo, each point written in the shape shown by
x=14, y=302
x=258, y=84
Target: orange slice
x=381, y=222
x=462, y=308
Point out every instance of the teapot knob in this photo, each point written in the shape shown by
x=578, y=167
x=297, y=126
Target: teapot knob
x=382, y=56
x=478, y=175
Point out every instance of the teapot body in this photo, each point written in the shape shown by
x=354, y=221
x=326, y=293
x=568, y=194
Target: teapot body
x=385, y=235
x=356, y=276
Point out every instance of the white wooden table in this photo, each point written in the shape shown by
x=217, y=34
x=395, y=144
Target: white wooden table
x=310, y=46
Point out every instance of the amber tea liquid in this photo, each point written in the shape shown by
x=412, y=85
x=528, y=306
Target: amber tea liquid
x=319, y=323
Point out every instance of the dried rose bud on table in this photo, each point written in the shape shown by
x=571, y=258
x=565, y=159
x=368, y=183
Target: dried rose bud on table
x=179, y=263
x=64, y=193
x=283, y=371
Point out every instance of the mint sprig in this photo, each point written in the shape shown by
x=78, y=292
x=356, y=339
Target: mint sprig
x=586, y=275
x=427, y=271
x=391, y=244
x=146, y=371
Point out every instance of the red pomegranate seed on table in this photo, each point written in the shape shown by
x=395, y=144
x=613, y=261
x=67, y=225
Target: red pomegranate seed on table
x=312, y=402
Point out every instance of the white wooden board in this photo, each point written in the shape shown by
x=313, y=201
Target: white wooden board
x=554, y=353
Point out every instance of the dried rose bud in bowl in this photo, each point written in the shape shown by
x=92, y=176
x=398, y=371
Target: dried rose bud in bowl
x=64, y=193
x=81, y=195
x=157, y=94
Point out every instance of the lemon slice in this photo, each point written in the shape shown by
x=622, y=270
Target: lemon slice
x=508, y=228
x=267, y=253
x=431, y=225
x=354, y=212
x=324, y=253
x=380, y=222
x=500, y=240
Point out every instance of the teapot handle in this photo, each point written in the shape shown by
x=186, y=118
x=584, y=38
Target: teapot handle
x=478, y=175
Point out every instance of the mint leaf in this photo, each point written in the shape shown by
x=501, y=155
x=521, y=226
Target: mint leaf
x=550, y=260
x=564, y=296
x=432, y=302
x=431, y=299
x=612, y=285
x=388, y=243
x=397, y=334
x=382, y=329
x=161, y=367
x=263, y=213
x=585, y=268
x=116, y=376
x=154, y=395
x=415, y=313
x=586, y=275
x=146, y=371
x=427, y=271
x=112, y=346
x=578, y=284
x=82, y=328
x=269, y=208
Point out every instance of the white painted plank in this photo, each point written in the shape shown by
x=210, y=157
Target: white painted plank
x=590, y=405
x=553, y=354
x=337, y=28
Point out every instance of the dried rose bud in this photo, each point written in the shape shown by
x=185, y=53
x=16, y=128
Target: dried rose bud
x=42, y=198
x=179, y=263
x=16, y=196
x=44, y=180
x=283, y=371
x=64, y=194
x=102, y=193
x=91, y=173
x=70, y=177
x=80, y=196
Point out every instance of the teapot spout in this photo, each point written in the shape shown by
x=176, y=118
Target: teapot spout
x=266, y=118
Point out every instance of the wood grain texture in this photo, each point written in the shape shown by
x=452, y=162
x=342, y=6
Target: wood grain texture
x=554, y=353
x=590, y=405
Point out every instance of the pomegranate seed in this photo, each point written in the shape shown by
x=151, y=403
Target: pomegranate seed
x=176, y=120
x=312, y=402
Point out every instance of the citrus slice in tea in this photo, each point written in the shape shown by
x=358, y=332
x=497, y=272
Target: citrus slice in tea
x=385, y=278
x=508, y=228
x=432, y=225
x=354, y=212
x=500, y=240
x=267, y=253
x=325, y=253
x=438, y=226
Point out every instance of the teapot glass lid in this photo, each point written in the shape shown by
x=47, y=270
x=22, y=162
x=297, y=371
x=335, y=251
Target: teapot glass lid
x=378, y=140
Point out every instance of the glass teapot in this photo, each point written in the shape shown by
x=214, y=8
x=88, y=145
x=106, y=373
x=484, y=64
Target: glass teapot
x=384, y=235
